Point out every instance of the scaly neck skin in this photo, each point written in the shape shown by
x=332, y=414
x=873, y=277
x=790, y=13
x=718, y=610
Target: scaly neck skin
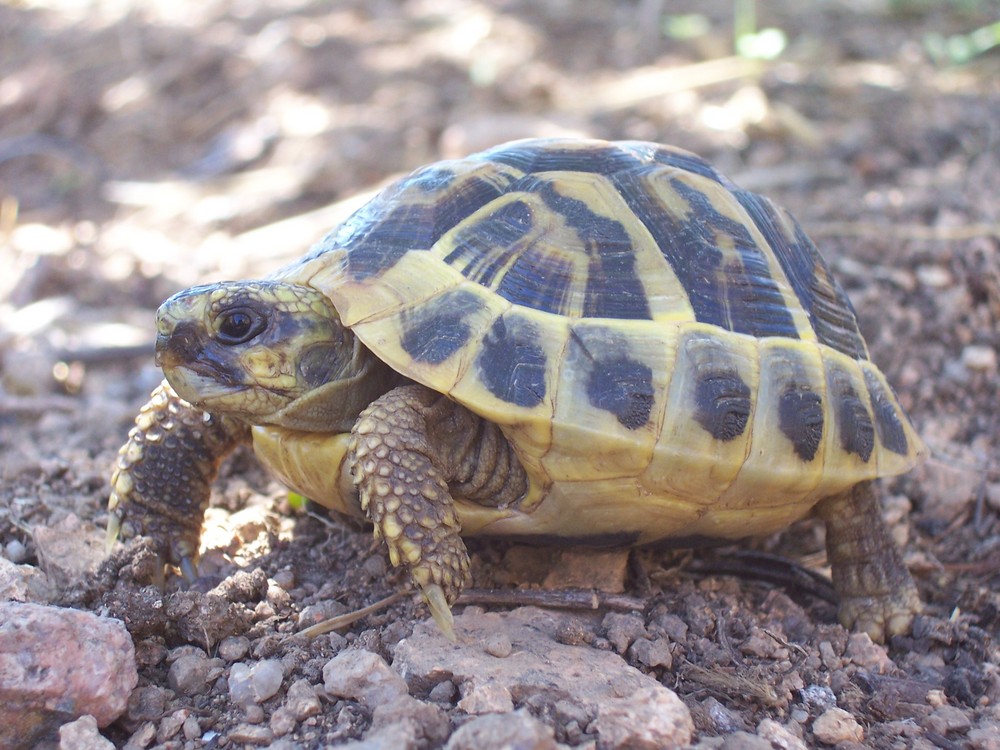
x=335, y=405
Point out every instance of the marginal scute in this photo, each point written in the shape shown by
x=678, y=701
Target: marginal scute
x=801, y=420
x=722, y=403
x=511, y=363
x=801, y=411
x=857, y=433
x=623, y=387
x=891, y=433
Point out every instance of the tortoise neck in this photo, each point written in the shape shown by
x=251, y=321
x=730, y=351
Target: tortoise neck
x=334, y=406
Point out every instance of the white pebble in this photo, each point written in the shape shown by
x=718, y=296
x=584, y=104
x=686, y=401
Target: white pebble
x=934, y=277
x=250, y=685
x=15, y=551
x=980, y=358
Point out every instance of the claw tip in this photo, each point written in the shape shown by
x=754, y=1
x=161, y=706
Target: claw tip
x=440, y=611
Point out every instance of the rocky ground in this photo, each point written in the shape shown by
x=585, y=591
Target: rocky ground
x=148, y=146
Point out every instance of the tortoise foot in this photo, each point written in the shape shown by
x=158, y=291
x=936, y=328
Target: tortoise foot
x=877, y=594
x=880, y=617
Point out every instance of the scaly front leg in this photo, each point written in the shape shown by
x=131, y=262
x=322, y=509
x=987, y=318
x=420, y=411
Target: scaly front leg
x=164, y=476
x=412, y=450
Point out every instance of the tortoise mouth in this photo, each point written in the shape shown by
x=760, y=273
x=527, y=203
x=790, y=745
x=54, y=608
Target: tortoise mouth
x=207, y=391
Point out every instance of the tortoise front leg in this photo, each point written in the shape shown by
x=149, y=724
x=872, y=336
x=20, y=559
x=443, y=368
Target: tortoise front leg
x=877, y=594
x=409, y=450
x=164, y=475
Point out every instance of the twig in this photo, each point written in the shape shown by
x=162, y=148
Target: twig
x=349, y=618
x=588, y=599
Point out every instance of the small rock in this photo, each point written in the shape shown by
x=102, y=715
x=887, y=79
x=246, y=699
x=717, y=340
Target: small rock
x=234, y=648
x=985, y=737
x=362, y=676
x=146, y=703
x=762, y=645
x=830, y=658
x=945, y=719
x=836, y=725
x=517, y=729
x=980, y=358
x=621, y=630
x=15, y=551
x=142, y=737
x=744, y=741
x=423, y=722
x=933, y=276
x=282, y=721
x=191, y=728
x=485, y=697
x=68, y=551
x=669, y=623
x=650, y=718
x=82, y=734
x=868, y=655
x=443, y=692
x=170, y=725
x=253, y=684
x=24, y=583
x=724, y=720
x=652, y=653
x=818, y=697
x=189, y=675
x=285, y=578
x=498, y=645
x=266, y=677
x=780, y=738
x=53, y=658
x=302, y=700
x=252, y=735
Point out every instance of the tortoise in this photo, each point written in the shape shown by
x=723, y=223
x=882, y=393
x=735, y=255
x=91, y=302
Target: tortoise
x=564, y=341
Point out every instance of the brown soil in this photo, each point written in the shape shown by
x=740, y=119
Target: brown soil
x=147, y=147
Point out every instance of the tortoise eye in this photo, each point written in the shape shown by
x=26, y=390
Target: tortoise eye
x=239, y=325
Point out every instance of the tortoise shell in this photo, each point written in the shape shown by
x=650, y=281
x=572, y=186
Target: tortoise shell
x=669, y=354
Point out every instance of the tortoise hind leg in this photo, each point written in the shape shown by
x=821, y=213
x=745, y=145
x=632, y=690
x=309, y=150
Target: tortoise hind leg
x=406, y=449
x=877, y=594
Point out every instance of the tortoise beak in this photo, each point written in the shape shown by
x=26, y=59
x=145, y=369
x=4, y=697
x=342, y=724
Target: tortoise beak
x=176, y=345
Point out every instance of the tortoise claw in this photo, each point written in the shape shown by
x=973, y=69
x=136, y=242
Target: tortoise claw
x=440, y=611
x=114, y=530
x=189, y=569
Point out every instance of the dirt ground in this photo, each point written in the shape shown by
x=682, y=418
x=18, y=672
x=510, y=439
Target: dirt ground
x=145, y=147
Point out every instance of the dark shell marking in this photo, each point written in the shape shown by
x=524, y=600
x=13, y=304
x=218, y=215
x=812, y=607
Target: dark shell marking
x=511, y=363
x=857, y=434
x=432, y=333
x=387, y=228
x=890, y=430
x=613, y=288
x=722, y=402
x=744, y=297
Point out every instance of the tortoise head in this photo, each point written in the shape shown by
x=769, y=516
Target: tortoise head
x=268, y=352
